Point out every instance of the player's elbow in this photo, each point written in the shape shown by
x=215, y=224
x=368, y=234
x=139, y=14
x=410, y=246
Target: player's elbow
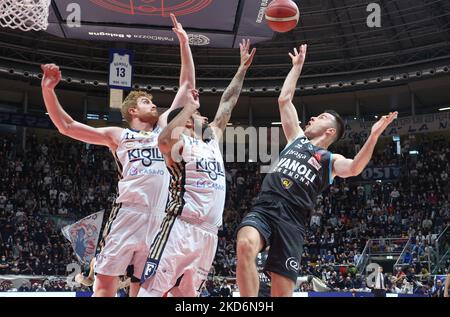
x=347, y=172
x=187, y=86
x=64, y=129
x=283, y=100
x=354, y=170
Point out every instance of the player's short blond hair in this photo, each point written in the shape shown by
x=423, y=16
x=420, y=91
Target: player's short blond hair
x=131, y=102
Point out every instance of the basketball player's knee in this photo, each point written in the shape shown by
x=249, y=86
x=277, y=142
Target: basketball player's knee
x=102, y=286
x=247, y=247
x=105, y=285
x=282, y=293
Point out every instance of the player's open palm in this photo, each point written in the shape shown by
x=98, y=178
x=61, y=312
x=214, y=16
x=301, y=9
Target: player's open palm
x=178, y=29
x=51, y=76
x=382, y=124
x=298, y=58
x=246, y=55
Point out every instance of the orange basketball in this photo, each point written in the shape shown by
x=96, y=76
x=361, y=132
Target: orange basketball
x=282, y=15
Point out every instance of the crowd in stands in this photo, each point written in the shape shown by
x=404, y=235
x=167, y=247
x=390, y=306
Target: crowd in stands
x=416, y=205
x=57, y=179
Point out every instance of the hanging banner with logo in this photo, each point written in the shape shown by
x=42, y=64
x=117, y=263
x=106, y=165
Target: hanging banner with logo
x=120, y=69
x=407, y=125
x=208, y=22
x=377, y=173
x=84, y=235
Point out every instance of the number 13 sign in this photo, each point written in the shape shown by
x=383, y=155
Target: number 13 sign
x=120, y=68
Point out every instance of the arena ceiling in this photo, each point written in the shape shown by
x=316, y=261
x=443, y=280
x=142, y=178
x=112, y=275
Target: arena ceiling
x=346, y=58
x=212, y=23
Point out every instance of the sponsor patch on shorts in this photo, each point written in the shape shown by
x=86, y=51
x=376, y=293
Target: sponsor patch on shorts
x=149, y=269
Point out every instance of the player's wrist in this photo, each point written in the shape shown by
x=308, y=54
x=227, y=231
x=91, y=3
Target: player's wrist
x=373, y=136
x=243, y=67
x=184, y=40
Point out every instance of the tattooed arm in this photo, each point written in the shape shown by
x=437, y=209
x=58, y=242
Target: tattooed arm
x=231, y=94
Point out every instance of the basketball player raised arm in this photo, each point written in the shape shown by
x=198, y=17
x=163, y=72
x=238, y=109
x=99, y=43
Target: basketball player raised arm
x=65, y=124
x=172, y=133
x=231, y=94
x=288, y=113
x=109, y=136
x=187, y=74
x=342, y=167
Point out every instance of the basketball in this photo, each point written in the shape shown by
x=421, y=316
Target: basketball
x=282, y=15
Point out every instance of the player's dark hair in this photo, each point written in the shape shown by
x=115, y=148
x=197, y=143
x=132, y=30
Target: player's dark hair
x=340, y=124
x=173, y=114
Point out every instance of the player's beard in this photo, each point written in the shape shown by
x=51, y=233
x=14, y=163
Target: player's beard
x=207, y=132
x=204, y=127
x=151, y=117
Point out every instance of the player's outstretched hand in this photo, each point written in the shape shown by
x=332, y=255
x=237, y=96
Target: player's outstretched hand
x=51, y=77
x=246, y=55
x=178, y=29
x=298, y=58
x=381, y=125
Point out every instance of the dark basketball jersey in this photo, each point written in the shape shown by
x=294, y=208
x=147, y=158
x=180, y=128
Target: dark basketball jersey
x=264, y=280
x=302, y=172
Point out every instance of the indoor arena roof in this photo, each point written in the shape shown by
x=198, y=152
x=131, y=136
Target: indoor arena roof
x=340, y=43
x=347, y=61
x=212, y=23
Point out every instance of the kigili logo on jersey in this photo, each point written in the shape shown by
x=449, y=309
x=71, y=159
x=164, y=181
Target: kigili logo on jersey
x=212, y=167
x=146, y=156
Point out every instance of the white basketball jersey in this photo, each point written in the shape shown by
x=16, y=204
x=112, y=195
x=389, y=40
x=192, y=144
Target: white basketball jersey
x=198, y=183
x=144, y=176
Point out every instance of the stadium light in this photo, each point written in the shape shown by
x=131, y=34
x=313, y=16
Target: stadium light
x=444, y=109
x=92, y=116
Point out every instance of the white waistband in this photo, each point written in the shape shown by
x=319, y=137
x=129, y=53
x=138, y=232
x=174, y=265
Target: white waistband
x=199, y=223
x=141, y=208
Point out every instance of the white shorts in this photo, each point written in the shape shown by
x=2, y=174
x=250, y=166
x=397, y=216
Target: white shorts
x=180, y=258
x=128, y=241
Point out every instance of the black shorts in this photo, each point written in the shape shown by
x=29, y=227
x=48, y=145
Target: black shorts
x=281, y=233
